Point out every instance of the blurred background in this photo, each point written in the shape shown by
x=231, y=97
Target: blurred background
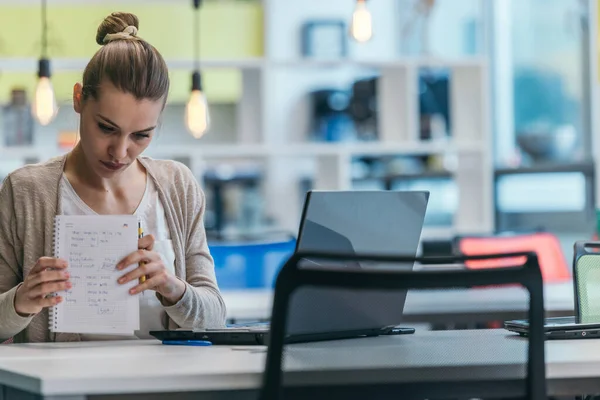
x=488, y=104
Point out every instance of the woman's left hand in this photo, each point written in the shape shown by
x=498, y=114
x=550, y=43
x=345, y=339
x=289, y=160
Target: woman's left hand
x=152, y=267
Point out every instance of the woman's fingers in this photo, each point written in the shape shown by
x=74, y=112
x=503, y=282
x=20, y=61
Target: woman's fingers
x=49, y=301
x=137, y=257
x=48, y=276
x=44, y=263
x=151, y=283
x=47, y=288
x=142, y=270
x=146, y=243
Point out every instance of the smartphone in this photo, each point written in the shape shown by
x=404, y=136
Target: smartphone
x=586, y=276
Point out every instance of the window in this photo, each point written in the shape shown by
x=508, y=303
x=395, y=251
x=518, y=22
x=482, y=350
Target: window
x=540, y=58
x=545, y=178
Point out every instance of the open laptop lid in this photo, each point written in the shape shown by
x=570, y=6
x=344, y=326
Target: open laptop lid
x=380, y=222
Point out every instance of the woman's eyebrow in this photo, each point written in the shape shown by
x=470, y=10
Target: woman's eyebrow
x=112, y=123
x=107, y=120
x=146, y=130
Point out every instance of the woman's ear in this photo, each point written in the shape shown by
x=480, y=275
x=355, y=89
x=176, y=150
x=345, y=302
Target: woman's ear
x=77, y=100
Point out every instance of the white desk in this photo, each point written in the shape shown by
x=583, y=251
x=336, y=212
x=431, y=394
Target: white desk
x=477, y=305
x=428, y=363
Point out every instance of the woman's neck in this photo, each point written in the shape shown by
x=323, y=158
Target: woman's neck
x=77, y=165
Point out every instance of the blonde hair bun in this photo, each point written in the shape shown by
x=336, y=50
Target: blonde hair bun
x=117, y=26
x=126, y=61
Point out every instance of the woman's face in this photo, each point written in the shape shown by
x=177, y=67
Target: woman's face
x=115, y=128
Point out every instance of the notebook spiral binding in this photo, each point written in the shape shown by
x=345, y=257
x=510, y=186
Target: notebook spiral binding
x=53, y=311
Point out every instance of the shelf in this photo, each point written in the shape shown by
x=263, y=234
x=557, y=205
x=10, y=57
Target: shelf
x=380, y=149
x=79, y=64
x=316, y=149
x=210, y=151
x=242, y=63
x=586, y=168
x=259, y=150
x=412, y=62
x=406, y=177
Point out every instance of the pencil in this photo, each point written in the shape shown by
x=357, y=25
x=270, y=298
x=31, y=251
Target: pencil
x=141, y=235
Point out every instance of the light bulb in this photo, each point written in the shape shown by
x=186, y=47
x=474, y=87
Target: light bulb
x=361, y=27
x=44, y=107
x=197, y=117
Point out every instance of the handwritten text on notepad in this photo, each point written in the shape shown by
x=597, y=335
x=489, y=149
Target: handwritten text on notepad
x=92, y=245
x=91, y=256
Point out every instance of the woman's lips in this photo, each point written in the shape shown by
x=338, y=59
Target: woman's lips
x=112, y=166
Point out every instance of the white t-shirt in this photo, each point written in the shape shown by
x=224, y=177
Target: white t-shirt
x=152, y=216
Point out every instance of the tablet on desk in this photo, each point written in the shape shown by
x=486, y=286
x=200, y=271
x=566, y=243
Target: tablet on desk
x=585, y=324
x=558, y=328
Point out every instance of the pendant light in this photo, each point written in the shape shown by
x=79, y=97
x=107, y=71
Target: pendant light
x=197, y=117
x=361, y=27
x=44, y=107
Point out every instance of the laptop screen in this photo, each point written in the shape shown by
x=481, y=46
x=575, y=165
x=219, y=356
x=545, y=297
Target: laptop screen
x=374, y=222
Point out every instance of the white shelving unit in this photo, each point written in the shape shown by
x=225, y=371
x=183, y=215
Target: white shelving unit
x=272, y=116
x=286, y=112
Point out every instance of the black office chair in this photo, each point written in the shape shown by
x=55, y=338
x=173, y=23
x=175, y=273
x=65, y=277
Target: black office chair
x=291, y=277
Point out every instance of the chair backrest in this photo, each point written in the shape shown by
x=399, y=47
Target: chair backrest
x=546, y=245
x=291, y=277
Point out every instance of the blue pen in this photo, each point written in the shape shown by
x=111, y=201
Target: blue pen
x=187, y=342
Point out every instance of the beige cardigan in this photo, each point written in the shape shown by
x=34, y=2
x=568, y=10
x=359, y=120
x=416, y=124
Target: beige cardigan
x=29, y=200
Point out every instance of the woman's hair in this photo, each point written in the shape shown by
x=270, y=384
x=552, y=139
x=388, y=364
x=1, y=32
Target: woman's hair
x=128, y=62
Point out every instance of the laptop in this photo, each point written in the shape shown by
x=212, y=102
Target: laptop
x=585, y=324
x=569, y=327
x=375, y=222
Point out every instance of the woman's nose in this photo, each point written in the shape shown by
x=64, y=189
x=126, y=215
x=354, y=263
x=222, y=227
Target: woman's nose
x=118, y=149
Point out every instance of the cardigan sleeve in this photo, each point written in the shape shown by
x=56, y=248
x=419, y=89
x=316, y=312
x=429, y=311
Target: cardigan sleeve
x=10, y=270
x=202, y=305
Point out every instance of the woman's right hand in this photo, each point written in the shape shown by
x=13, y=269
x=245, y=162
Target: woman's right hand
x=49, y=275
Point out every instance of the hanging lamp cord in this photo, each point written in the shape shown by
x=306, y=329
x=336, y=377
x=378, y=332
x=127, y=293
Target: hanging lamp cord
x=197, y=4
x=44, y=30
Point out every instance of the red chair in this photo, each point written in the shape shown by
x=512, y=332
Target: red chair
x=547, y=246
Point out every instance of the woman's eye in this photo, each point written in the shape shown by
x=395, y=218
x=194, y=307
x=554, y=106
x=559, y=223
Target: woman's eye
x=141, y=136
x=106, y=128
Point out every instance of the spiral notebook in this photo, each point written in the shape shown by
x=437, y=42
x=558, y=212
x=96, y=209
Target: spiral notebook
x=92, y=245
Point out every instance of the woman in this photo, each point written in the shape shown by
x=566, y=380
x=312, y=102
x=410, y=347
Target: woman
x=120, y=101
